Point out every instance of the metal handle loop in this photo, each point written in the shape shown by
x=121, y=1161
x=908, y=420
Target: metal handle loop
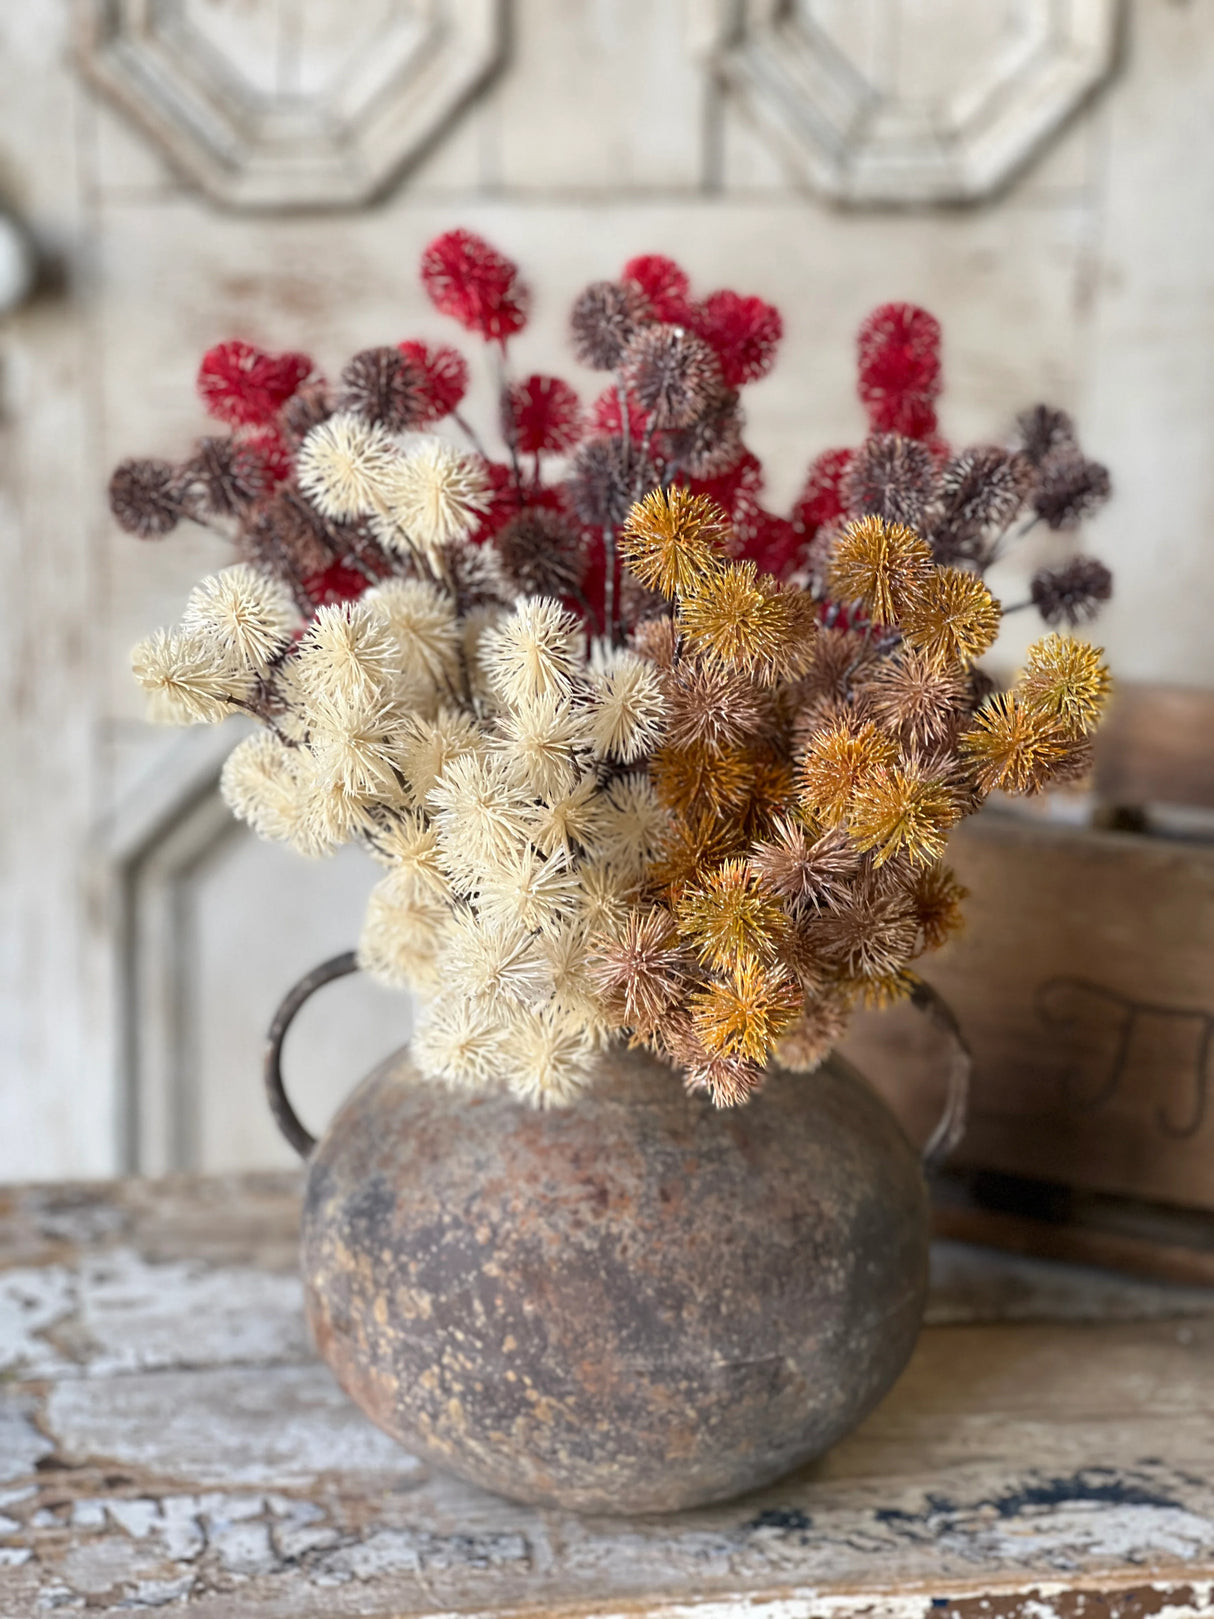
x=951, y=1126
x=285, y=1116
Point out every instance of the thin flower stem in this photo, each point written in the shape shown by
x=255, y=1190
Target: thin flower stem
x=609, y=625
x=1018, y=607
x=507, y=414
x=470, y=433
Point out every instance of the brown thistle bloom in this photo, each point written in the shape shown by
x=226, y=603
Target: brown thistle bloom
x=809, y=1040
x=1073, y=593
x=902, y=810
x=288, y=537
x=542, y=553
x=729, y=1081
x=1044, y=430
x=689, y=780
x=674, y=374
x=803, y=868
x=873, y=936
x=731, y=915
x=384, y=386
x=917, y=700
x=223, y=477
x=881, y=565
x=1066, y=680
x=712, y=444
x=837, y=760
x=881, y=990
x=742, y=1015
x=1070, y=488
x=642, y=969
x=841, y=660
x=654, y=638
x=144, y=497
x=737, y=618
x=307, y=407
x=771, y=793
x=693, y=844
x=605, y=319
x=602, y=479
x=714, y=709
x=1075, y=767
x=936, y=895
x=981, y=488
x=891, y=477
x=953, y=620
x=1011, y=746
x=674, y=540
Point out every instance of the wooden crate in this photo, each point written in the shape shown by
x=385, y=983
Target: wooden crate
x=1085, y=985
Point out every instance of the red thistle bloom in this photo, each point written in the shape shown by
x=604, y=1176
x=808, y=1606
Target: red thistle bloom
x=272, y=450
x=775, y=544
x=446, y=374
x=606, y=416
x=475, y=284
x=898, y=348
x=745, y=332
x=241, y=384
x=738, y=492
x=821, y=500
x=337, y=583
x=665, y=284
x=545, y=415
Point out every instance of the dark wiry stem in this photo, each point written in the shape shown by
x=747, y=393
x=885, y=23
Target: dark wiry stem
x=470, y=433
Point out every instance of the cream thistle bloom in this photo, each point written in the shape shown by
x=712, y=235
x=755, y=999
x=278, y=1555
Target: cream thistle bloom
x=345, y=466
x=248, y=614
x=432, y=497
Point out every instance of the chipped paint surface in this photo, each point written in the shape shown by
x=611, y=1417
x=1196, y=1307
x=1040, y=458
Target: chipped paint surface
x=1062, y=1468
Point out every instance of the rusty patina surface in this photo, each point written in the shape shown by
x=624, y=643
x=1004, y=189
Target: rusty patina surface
x=635, y=1305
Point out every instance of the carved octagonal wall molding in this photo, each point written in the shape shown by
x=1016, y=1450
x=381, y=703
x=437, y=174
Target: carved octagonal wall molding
x=913, y=101
x=291, y=103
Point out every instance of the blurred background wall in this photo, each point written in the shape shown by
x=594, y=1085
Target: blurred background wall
x=805, y=152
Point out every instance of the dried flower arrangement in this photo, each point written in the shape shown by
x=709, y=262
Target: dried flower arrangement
x=640, y=758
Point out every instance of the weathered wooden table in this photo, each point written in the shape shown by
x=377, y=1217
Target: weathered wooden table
x=167, y=1438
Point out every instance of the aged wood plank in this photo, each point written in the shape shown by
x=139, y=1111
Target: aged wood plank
x=166, y=1437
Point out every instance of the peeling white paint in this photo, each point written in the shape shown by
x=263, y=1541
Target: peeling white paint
x=22, y=1447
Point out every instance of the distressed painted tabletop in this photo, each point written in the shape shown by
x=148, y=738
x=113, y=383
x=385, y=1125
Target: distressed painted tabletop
x=168, y=1438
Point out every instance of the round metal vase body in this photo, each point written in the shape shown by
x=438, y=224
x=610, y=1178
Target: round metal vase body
x=637, y=1304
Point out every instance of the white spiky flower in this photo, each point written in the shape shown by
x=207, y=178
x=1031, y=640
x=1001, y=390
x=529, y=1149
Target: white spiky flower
x=430, y=744
x=570, y=823
x=422, y=619
x=401, y=937
x=527, y=891
x=549, y=1058
x=345, y=466
x=460, y=1042
x=358, y=744
x=435, y=496
x=604, y=896
x=481, y=815
x=274, y=789
x=346, y=655
x=631, y=823
x=496, y=965
x=628, y=712
x=538, y=739
x=251, y=616
x=190, y=679
x=407, y=844
x=574, y=993
x=477, y=623
x=331, y=810
x=534, y=652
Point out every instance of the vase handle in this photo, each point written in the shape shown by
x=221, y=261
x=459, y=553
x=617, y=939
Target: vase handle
x=285, y=1116
x=951, y=1126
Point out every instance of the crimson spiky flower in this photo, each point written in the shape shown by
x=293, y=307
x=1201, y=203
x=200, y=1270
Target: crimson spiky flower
x=446, y=375
x=899, y=369
x=674, y=374
x=476, y=285
x=386, y=387
x=244, y=385
x=605, y=319
x=821, y=498
x=665, y=286
x=144, y=497
x=542, y=415
x=743, y=332
x=1072, y=594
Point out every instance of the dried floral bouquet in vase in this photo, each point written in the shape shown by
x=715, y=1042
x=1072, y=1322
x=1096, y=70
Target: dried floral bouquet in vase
x=641, y=760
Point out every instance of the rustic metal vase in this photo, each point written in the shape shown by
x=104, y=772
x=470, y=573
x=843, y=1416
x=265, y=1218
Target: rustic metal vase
x=636, y=1304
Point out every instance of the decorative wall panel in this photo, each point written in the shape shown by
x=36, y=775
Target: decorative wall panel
x=898, y=101
x=291, y=103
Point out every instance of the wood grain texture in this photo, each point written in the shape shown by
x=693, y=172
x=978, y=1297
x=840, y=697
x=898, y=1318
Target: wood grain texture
x=167, y=1439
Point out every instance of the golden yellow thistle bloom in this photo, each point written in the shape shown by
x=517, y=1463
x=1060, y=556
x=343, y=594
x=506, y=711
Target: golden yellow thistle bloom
x=738, y=619
x=731, y=915
x=881, y=565
x=692, y=845
x=673, y=539
x=1011, y=747
x=688, y=780
x=744, y=1015
x=902, y=810
x=1067, y=680
x=953, y=618
x=838, y=758
x=884, y=989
